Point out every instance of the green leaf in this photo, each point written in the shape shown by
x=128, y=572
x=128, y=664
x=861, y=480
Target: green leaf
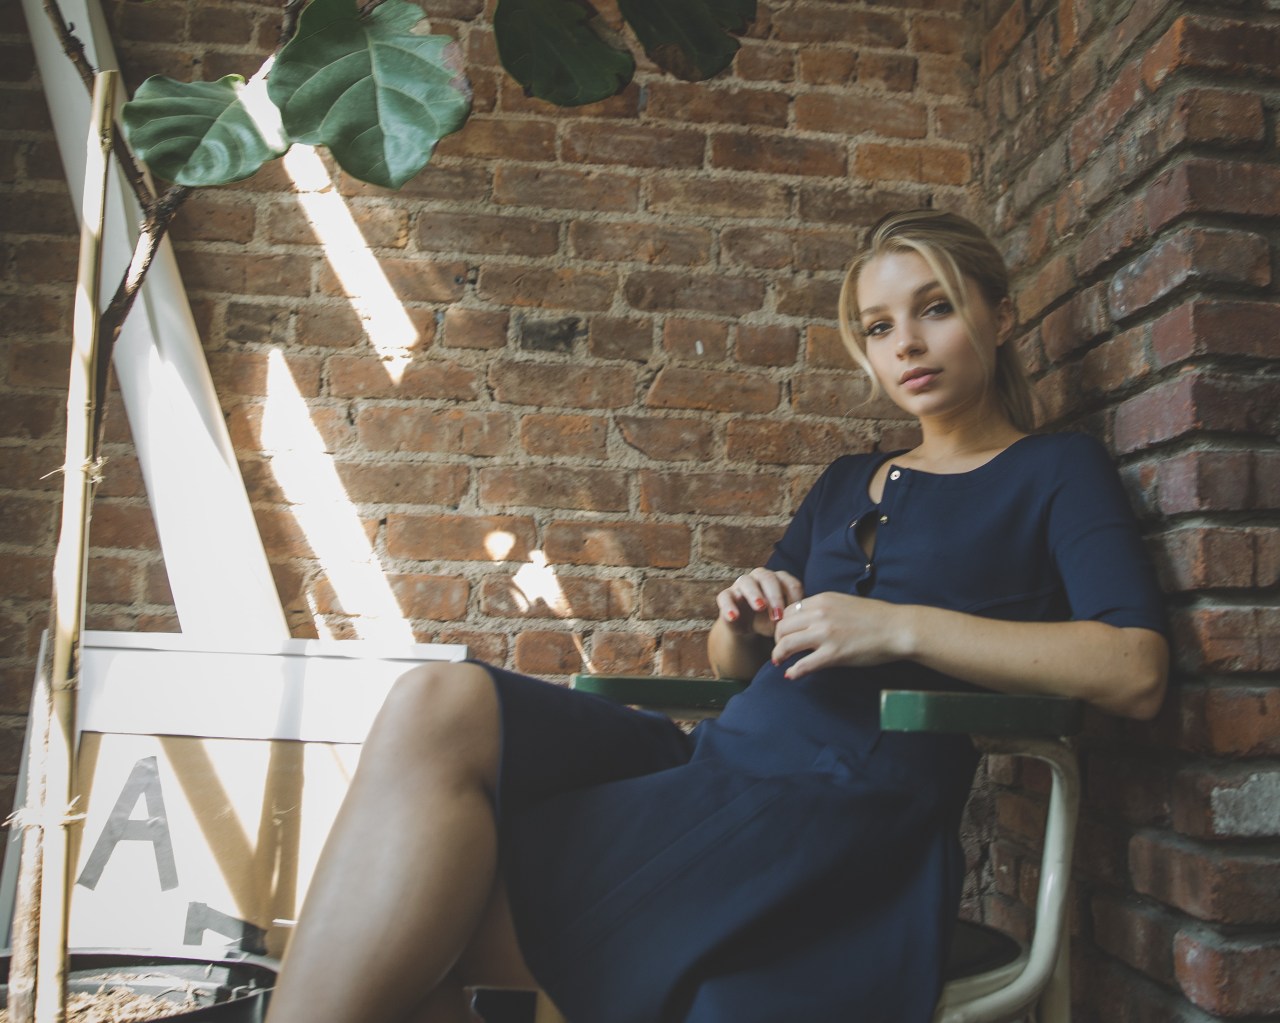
x=561, y=51
x=377, y=95
x=203, y=133
x=689, y=38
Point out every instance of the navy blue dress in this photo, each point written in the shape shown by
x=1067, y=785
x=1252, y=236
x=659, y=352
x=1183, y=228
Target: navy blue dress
x=788, y=861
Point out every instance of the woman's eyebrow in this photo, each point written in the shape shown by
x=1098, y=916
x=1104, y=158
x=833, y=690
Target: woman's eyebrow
x=926, y=286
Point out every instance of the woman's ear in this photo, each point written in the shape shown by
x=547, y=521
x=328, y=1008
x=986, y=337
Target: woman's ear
x=1006, y=319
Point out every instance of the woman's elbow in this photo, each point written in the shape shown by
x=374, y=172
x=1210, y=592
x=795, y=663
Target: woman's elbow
x=1144, y=675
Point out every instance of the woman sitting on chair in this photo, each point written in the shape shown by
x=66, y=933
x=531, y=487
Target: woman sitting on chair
x=787, y=861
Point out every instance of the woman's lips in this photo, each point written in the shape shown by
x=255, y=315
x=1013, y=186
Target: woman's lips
x=918, y=379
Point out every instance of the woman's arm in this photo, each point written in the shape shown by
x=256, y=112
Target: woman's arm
x=1120, y=670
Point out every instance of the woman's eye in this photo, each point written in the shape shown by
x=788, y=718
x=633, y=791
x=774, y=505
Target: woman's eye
x=875, y=329
x=939, y=308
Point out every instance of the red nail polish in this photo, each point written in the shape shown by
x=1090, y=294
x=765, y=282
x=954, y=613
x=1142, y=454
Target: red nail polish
x=775, y=613
x=731, y=615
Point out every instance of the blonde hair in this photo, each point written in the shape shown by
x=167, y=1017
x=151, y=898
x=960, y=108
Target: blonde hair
x=956, y=250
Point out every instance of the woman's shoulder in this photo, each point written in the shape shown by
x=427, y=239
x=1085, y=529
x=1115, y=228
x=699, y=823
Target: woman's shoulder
x=1064, y=452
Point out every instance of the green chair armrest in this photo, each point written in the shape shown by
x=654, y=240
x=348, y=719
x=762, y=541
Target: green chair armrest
x=668, y=693
x=989, y=714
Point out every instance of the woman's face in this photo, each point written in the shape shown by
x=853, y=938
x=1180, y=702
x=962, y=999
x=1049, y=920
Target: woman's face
x=918, y=343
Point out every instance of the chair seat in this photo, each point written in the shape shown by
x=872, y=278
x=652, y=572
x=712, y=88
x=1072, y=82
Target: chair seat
x=977, y=948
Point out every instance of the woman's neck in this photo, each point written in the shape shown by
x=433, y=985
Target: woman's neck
x=952, y=445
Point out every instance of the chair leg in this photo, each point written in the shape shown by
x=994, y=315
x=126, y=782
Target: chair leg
x=1055, y=1002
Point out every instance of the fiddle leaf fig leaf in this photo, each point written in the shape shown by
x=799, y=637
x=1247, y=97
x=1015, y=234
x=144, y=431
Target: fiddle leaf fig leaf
x=203, y=133
x=561, y=51
x=378, y=95
x=689, y=38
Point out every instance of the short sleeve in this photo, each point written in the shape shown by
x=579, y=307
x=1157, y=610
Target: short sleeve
x=791, y=552
x=1095, y=543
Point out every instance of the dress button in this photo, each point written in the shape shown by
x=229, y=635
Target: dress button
x=895, y=474
x=867, y=566
x=884, y=519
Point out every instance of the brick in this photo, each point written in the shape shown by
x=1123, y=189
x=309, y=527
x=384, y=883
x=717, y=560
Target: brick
x=758, y=61
x=451, y=431
x=561, y=435
x=712, y=390
x=552, y=486
x=1208, y=882
x=1193, y=401
x=1219, y=557
x=1227, y=639
x=667, y=599
x=354, y=376
x=653, y=545
x=570, y=597
x=892, y=72
x=738, y=546
x=1120, y=232
x=1124, y=96
x=412, y=280
x=378, y=226
x=419, y=483
x=660, y=291
x=1200, y=186
x=838, y=394
x=539, y=334
x=828, y=65
x=483, y=233
x=511, y=99
x=614, y=337
x=559, y=188
x=792, y=443
x=249, y=373
x=551, y=384
x=1136, y=933
x=438, y=598
x=702, y=103
x=710, y=493
x=684, y=654
x=668, y=439
x=1216, y=328
x=1117, y=363
x=639, y=243
x=1231, y=720
x=1004, y=37
x=923, y=164
x=474, y=328
x=833, y=113
x=258, y=274
x=778, y=248
x=701, y=340
x=821, y=23
x=1228, y=976
x=623, y=653
x=808, y=297
x=761, y=345
x=124, y=525
x=936, y=33
x=1219, y=480
x=1077, y=323
x=718, y=198
x=567, y=288
x=485, y=646
x=1052, y=281
x=777, y=154
x=1220, y=45
x=1231, y=801
x=460, y=537
x=548, y=653
x=633, y=145
x=496, y=139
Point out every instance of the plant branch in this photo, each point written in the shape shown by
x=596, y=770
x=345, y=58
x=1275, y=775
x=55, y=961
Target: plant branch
x=74, y=49
x=154, y=228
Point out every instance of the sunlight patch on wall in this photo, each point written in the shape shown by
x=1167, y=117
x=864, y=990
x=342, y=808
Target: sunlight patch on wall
x=324, y=513
x=390, y=330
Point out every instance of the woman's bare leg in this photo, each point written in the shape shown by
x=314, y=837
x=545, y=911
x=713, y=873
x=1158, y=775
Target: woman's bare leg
x=408, y=873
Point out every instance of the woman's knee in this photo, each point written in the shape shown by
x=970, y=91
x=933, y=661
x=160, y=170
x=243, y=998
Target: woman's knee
x=446, y=711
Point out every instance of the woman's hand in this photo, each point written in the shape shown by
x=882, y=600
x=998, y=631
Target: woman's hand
x=839, y=630
x=755, y=602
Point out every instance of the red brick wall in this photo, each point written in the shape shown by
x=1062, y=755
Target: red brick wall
x=1132, y=171
x=627, y=362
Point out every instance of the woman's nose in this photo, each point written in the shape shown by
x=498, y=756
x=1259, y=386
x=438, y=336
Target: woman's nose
x=909, y=342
